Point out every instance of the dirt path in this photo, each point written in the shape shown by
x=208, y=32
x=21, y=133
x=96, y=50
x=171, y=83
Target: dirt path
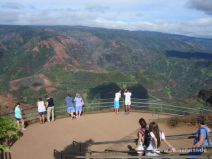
x=39, y=141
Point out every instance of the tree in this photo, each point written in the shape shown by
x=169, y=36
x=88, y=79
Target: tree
x=8, y=132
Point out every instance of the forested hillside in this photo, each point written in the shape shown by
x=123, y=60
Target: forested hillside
x=38, y=60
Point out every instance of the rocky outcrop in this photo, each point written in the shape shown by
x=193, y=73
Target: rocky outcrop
x=206, y=95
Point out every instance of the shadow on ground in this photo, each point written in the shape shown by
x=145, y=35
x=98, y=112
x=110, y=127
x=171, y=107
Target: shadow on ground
x=74, y=150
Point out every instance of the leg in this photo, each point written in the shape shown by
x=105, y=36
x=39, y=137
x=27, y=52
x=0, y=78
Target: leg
x=48, y=114
x=22, y=124
x=40, y=118
x=80, y=111
x=18, y=123
x=52, y=113
x=71, y=115
x=43, y=118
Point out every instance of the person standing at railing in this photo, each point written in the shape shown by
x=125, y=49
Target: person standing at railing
x=41, y=110
x=78, y=105
x=19, y=117
x=50, y=108
x=116, y=101
x=70, y=106
x=127, y=101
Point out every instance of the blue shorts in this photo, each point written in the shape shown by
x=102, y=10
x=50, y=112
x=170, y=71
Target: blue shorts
x=18, y=119
x=70, y=109
x=42, y=113
x=78, y=108
x=116, y=104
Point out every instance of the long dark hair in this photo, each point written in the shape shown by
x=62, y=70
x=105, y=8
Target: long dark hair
x=142, y=122
x=153, y=127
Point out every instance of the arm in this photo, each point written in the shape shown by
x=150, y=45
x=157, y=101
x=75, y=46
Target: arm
x=156, y=142
x=169, y=145
x=163, y=138
x=199, y=143
x=140, y=138
x=46, y=104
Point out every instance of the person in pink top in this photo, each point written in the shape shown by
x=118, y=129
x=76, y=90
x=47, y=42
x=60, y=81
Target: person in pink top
x=141, y=134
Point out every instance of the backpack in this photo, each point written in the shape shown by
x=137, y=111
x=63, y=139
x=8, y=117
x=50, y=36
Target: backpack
x=147, y=138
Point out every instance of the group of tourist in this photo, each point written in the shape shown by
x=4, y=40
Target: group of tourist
x=74, y=106
x=150, y=138
x=127, y=100
x=44, y=107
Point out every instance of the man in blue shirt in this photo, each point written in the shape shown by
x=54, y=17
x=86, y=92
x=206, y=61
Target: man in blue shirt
x=202, y=134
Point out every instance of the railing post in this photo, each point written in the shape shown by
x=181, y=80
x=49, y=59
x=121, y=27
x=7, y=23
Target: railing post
x=1, y=154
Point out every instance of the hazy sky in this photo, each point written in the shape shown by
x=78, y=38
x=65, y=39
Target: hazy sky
x=187, y=17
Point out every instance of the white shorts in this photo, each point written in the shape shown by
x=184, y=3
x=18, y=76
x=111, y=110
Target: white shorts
x=140, y=148
x=127, y=102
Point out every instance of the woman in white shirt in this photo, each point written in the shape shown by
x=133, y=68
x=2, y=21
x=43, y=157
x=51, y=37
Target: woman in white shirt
x=155, y=137
x=41, y=110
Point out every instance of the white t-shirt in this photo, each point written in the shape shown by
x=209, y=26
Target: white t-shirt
x=127, y=96
x=41, y=106
x=152, y=145
x=117, y=96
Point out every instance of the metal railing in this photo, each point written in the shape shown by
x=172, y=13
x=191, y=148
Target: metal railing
x=5, y=155
x=101, y=105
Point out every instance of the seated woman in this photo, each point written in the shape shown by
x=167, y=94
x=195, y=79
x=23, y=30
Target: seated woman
x=202, y=134
x=140, y=134
x=155, y=136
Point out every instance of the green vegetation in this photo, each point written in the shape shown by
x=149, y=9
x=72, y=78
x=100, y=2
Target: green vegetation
x=8, y=133
x=188, y=119
x=82, y=82
x=131, y=58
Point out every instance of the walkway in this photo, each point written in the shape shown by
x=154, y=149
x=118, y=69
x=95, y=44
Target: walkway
x=39, y=140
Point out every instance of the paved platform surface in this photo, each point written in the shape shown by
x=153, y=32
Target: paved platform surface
x=39, y=140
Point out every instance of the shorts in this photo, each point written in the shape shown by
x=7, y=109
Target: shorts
x=78, y=108
x=42, y=113
x=127, y=102
x=116, y=104
x=18, y=119
x=70, y=109
x=140, y=148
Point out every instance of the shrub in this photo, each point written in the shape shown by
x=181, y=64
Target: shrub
x=174, y=121
x=8, y=132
